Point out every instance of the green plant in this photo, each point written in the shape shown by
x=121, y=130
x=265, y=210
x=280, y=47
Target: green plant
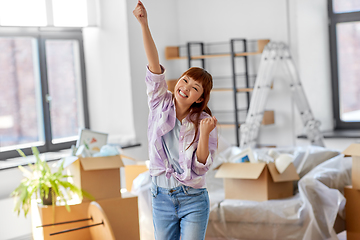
x=39, y=181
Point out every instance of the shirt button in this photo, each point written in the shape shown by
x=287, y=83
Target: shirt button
x=181, y=151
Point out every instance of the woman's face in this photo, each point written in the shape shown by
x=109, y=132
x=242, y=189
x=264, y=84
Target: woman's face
x=187, y=91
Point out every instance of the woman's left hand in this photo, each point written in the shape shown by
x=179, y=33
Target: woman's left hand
x=207, y=125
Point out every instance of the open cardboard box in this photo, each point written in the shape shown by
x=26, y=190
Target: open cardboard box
x=352, y=209
x=354, y=151
x=99, y=176
x=256, y=181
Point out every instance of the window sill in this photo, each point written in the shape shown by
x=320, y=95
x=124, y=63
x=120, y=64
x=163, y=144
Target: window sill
x=343, y=133
x=49, y=157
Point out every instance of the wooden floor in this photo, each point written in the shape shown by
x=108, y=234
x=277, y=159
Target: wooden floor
x=341, y=236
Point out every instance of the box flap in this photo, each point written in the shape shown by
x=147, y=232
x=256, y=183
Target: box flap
x=96, y=163
x=352, y=150
x=240, y=170
x=289, y=174
x=69, y=160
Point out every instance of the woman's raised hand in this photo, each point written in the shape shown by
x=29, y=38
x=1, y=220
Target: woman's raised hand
x=140, y=13
x=207, y=125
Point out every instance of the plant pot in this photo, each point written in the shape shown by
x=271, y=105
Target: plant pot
x=48, y=200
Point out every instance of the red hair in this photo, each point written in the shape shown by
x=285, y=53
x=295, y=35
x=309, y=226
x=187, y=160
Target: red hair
x=201, y=76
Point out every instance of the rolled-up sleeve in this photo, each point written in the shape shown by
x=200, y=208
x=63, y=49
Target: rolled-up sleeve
x=156, y=87
x=200, y=168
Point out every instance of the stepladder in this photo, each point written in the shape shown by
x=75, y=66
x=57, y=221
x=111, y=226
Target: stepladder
x=276, y=57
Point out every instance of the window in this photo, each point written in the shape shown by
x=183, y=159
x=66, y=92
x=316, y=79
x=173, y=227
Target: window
x=48, y=13
x=43, y=91
x=344, y=26
x=43, y=100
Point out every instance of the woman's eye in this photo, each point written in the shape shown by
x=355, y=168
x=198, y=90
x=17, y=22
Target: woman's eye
x=195, y=89
x=185, y=80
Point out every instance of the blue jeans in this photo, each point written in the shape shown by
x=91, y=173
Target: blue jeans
x=180, y=211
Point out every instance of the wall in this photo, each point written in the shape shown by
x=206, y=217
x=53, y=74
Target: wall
x=108, y=73
x=314, y=58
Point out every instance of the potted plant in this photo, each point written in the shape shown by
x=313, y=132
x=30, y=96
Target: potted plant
x=41, y=181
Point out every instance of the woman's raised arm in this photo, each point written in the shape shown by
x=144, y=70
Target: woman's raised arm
x=149, y=44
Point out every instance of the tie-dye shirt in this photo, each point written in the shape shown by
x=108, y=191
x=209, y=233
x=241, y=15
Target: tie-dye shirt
x=162, y=116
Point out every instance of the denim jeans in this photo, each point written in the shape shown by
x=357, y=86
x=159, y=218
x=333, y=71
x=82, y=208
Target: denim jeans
x=181, y=211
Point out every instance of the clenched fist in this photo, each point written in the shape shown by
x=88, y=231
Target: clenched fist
x=207, y=125
x=140, y=13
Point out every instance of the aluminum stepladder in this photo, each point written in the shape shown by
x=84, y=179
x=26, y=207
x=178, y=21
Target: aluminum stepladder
x=277, y=54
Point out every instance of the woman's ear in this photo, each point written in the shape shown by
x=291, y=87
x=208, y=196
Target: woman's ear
x=199, y=100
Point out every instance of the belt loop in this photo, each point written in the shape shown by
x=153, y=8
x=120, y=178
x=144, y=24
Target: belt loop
x=156, y=190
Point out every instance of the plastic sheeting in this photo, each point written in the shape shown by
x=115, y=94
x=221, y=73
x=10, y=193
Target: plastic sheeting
x=309, y=214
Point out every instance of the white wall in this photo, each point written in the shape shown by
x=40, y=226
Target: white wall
x=314, y=58
x=12, y=226
x=108, y=73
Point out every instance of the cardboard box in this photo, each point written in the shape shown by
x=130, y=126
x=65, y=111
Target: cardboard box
x=268, y=118
x=256, y=181
x=354, y=151
x=42, y=215
x=119, y=214
x=99, y=176
x=123, y=216
x=352, y=209
x=131, y=172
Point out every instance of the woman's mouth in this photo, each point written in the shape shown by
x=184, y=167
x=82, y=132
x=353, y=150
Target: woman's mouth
x=181, y=93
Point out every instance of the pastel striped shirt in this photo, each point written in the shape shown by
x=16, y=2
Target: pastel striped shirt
x=162, y=116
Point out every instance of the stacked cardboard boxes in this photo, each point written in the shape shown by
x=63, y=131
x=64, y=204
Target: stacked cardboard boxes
x=256, y=181
x=352, y=194
x=99, y=176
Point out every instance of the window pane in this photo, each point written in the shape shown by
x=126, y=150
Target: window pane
x=21, y=119
x=70, y=13
x=63, y=70
x=348, y=40
x=23, y=13
x=341, y=6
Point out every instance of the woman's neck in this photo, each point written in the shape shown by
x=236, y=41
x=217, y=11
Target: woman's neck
x=181, y=111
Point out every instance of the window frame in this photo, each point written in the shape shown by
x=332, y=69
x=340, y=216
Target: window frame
x=41, y=35
x=334, y=19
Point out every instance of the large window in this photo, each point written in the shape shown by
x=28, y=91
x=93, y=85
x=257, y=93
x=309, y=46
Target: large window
x=43, y=98
x=43, y=92
x=344, y=18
